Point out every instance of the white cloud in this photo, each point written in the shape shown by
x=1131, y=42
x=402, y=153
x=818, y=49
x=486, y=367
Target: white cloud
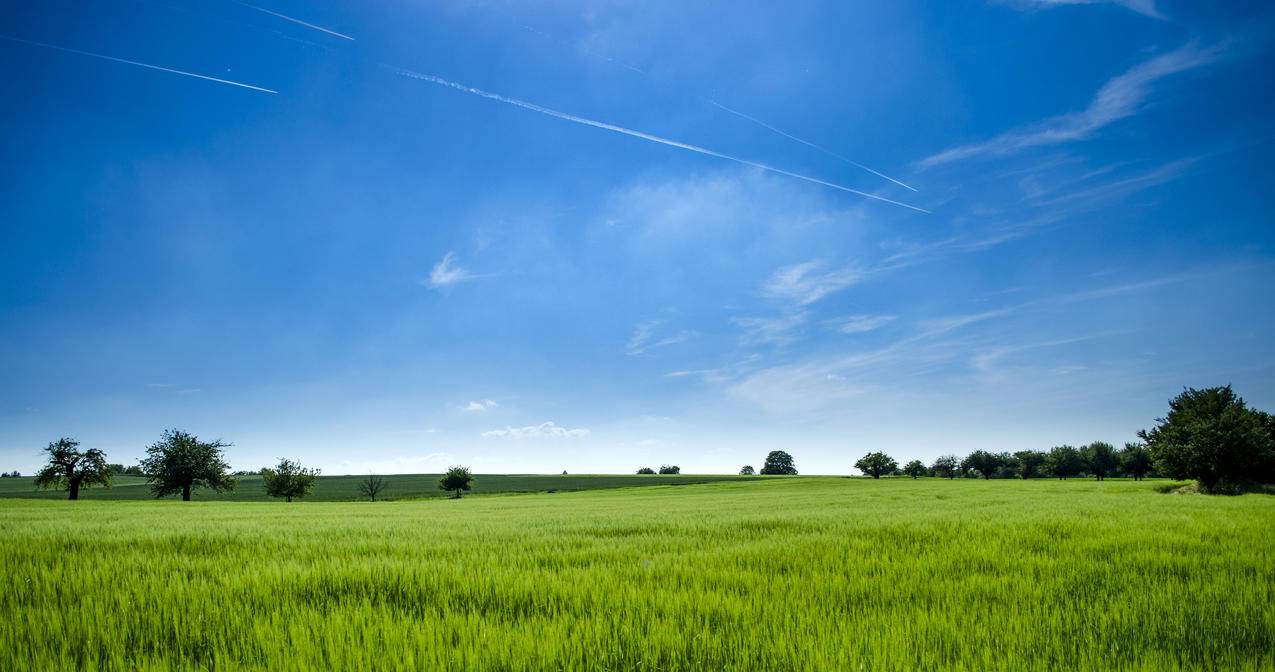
x=1144, y=7
x=1120, y=97
x=760, y=330
x=447, y=273
x=807, y=282
x=858, y=324
x=544, y=430
x=480, y=405
x=645, y=338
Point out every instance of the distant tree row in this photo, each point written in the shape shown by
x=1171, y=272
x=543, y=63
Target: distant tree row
x=11, y=474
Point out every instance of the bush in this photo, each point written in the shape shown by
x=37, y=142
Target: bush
x=645, y=470
x=670, y=469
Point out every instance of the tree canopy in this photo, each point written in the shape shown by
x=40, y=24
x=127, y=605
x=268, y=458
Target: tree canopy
x=1030, y=462
x=915, y=469
x=179, y=462
x=644, y=471
x=876, y=465
x=746, y=470
x=1064, y=462
x=670, y=469
x=779, y=463
x=1135, y=460
x=289, y=480
x=982, y=462
x=1100, y=459
x=946, y=466
x=1212, y=437
x=71, y=469
x=455, y=480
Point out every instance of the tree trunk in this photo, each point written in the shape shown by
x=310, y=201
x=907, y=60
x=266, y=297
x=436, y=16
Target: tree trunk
x=74, y=490
x=185, y=493
x=289, y=499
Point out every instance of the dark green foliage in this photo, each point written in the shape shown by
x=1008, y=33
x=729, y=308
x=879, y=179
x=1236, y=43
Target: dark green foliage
x=70, y=469
x=371, y=486
x=779, y=463
x=179, y=462
x=876, y=465
x=1212, y=437
x=1063, y=462
x=946, y=466
x=1100, y=459
x=121, y=470
x=11, y=474
x=645, y=471
x=1135, y=460
x=982, y=462
x=289, y=480
x=1030, y=462
x=669, y=469
x=746, y=470
x=915, y=469
x=455, y=480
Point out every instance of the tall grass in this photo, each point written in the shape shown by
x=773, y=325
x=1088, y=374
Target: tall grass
x=781, y=574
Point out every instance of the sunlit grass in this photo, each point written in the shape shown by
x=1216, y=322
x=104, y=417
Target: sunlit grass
x=783, y=574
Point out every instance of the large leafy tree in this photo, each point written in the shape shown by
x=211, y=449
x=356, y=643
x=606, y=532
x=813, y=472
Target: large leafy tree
x=1212, y=437
x=1135, y=460
x=779, y=463
x=915, y=469
x=289, y=480
x=71, y=469
x=1100, y=458
x=179, y=462
x=946, y=466
x=983, y=462
x=746, y=470
x=455, y=480
x=1064, y=462
x=1030, y=462
x=876, y=465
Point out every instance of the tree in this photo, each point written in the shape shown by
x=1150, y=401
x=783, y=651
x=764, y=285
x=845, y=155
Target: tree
x=179, y=462
x=982, y=462
x=1211, y=436
x=1100, y=458
x=1063, y=462
x=645, y=470
x=670, y=469
x=779, y=463
x=71, y=469
x=289, y=479
x=946, y=466
x=371, y=486
x=455, y=480
x=1135, y=460
x=1030, y=462
x=915, y=468
x=876, y=465
x=746, y=470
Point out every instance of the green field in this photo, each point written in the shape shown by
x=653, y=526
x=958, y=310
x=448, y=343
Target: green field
x=398, y=486
x=768, y=574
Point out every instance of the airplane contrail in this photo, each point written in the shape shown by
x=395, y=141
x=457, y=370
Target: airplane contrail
x=285, y=17
x=140, y=65
x=638, y=134
x=794, y=138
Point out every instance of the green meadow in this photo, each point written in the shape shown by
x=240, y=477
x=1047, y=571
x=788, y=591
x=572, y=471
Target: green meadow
x=767, y=574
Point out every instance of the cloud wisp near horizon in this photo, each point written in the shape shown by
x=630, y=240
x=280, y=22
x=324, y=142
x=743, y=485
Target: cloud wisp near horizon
x=368, y=274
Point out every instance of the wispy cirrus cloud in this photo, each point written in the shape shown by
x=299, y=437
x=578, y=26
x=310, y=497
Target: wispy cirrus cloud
x=480, y=405
x=1146, y=8
x=1121, y=97
x=447, y=272
x=858, y=324
x=807, y=282
x=646, y=338
x=544, y=430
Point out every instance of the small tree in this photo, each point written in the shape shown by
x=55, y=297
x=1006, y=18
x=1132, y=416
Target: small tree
x=915, y=469
x=1030, y=462
x=645, y=471
x=71, y=469
x=1135, y=460
x=946, y=466
x=670, y=469
x=1063, y=462
x=982, y=462
x=179, y=462
x=371, y=486
x=289, y=479
x=746, y=470
x=455, y=480
x=779, y=463
x=1100, y=458
x=876, y=465
x=1211, y=436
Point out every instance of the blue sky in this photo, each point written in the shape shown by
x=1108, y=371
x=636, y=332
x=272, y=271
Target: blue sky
x=371, y=270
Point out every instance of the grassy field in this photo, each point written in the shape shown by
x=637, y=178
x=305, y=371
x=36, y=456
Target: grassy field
x=774, y=574
x=398, y=486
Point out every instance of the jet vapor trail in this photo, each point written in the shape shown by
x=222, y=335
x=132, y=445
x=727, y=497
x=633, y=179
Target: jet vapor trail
x=285, y=17
x=140, y=65
x=638, y=134
x=807, y=143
